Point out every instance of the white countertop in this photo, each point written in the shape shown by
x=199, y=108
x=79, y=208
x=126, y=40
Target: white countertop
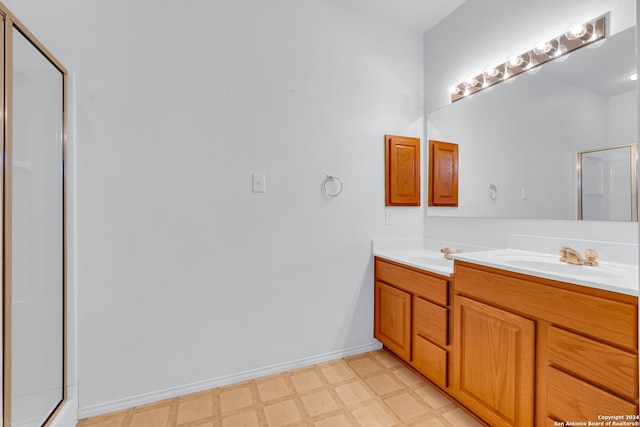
x=423, y=259
x=616, y=277
x=621, y=278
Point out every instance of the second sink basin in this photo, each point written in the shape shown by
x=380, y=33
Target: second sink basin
x=609, y=276
x=559, y=267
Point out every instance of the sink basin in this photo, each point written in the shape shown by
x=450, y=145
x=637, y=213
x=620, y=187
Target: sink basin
x=559, y=267
x=552, y=265
x=611, y=276
x=424, y=259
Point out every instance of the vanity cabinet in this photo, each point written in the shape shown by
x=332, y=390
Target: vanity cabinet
x=521, y=341
x=412, y=318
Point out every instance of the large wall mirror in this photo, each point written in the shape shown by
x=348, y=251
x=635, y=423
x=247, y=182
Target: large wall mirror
x=519, y=140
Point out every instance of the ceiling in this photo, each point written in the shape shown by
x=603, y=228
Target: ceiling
x=415, y=15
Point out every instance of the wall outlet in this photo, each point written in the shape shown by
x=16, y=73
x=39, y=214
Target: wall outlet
x=258, y=182
x=388, y=218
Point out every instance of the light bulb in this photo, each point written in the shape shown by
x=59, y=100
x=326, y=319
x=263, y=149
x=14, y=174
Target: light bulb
x=492, y=73
x=579, y=31
x=576, y=31
x=517, y=61
x=534, y=70
x=549, y=48
x=456, y=90
x=471, y=82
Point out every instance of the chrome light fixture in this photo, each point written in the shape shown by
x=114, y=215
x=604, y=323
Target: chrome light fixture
x=576, y=36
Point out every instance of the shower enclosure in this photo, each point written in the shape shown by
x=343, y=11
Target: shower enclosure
x=33, y=228
x=607, y=183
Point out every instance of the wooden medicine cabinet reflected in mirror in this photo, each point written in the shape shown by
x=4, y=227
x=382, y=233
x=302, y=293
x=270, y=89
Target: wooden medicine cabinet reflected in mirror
x=443, y=173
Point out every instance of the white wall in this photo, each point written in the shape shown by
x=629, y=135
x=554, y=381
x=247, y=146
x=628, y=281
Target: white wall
x=481, y=33
x=184, y=275
x=621, y=129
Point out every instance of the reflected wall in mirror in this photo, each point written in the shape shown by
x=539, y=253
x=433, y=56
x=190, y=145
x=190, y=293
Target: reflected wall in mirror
x=607, y=189
x=522, y=136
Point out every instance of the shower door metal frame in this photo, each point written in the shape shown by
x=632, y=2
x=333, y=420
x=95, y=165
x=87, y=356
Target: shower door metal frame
x=6, y=94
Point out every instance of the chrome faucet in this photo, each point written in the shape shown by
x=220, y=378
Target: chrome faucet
x=572, y=256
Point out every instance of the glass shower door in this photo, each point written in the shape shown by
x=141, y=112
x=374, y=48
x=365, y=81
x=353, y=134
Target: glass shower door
x=35, y=207
x=607, y=189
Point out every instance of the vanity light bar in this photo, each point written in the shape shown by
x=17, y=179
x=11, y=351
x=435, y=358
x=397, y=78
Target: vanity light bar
x=575, y=37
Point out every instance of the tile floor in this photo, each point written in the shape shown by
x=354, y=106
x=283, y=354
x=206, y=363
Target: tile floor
x=368, y=390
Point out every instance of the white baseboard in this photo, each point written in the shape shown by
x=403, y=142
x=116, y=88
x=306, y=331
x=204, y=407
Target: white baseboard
x=68, y=415
x=143, y=399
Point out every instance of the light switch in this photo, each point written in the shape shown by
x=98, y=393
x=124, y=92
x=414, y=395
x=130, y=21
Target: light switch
x=258, y=182
x=525, y=193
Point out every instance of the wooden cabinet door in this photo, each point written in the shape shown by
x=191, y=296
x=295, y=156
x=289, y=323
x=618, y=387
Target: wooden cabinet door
x=443, y=174
x=402, y=171
x=494, y=363
x=392, y=319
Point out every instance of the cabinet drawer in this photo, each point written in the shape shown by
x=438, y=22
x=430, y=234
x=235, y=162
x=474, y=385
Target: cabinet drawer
x=430, y=321
x=571, y=399
x=605, y=366
x=431, y=360
x=420, y=284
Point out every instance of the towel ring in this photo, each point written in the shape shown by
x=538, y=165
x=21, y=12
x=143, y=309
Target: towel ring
x=493, y=192
x=331, y=178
